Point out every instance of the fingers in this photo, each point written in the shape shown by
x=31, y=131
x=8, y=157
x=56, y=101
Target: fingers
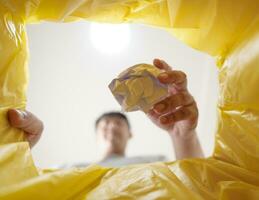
x=161, y=64
x=187, y=112
x=15, y=117
x=178, y=78
x=170, y=103
x=25, y=121
x=153, y=116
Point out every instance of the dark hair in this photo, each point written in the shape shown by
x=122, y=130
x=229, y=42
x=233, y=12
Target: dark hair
x=112, y=114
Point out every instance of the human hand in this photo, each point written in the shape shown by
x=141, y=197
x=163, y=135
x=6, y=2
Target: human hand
x=177, y=113
x=27, y=122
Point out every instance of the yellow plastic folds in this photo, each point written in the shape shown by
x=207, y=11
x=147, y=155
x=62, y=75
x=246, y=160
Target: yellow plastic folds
x=226, y=29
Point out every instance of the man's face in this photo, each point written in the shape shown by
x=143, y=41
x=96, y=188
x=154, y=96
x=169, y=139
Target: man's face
x=113, y=133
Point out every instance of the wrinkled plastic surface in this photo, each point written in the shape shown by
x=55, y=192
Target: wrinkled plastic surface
x=225, y=29
x=137, y=88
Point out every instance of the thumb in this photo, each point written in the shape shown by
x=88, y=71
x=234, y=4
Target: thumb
x=16, y=118
x=25, y=121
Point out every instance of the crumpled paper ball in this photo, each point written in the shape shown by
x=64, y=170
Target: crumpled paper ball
x=137, y=88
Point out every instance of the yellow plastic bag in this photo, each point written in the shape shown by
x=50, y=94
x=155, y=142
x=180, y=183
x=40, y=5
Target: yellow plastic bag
x=228, y=30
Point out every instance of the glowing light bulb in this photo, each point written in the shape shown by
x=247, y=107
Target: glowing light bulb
x=110, y=38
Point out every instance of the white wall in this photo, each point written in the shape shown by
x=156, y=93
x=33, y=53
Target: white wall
x=68, y=89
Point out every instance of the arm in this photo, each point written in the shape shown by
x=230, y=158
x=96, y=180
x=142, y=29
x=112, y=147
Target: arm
x=187, y=147
x=178, y=113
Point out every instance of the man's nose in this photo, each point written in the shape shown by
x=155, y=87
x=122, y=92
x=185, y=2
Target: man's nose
x=112, y=126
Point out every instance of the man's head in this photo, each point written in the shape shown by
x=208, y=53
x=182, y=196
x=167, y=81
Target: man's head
x=113, y=132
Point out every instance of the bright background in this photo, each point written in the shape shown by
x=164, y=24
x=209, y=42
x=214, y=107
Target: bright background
x=71, y=66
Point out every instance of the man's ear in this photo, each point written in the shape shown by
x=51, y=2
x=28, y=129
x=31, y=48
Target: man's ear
x=130, y=135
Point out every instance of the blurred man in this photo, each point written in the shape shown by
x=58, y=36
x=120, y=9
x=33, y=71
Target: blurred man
x=113, y=132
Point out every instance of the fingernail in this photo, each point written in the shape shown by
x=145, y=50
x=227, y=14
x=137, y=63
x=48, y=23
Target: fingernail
x=160, y=107
x=22, y=114
x=163, y=76
x=163, y=120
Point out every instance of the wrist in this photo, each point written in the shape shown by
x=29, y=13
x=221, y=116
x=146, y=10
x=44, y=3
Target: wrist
x=182, y=134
